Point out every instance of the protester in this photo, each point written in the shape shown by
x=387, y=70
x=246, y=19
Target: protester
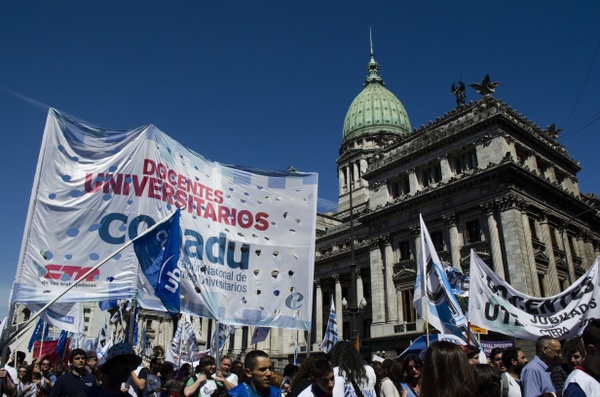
x=137, y=379
x=91, y=360
x=323, y=380
x=472, y=353
x=224, y=375
x=584, y=381
x=357, y=377
x=488, y=380
x=237, y=367
x=46, y=367
x=153, y=381
x=496, y=359
x=301, y=379
x=171, y=386
x=34, y=381
x=573, y=353
x=536, y=374
x=514, y=360
x=288, y=375
x=20, y=384
x=202, y=385
x=412, y=367
x=71, y=383
x=391, y=372
x=446, y=372
x=257, y=367
x=7, y=385
x=121, y=360
x=276, y=379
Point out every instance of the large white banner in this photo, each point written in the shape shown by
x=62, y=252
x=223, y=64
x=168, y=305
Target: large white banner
x=248, y=235
x=497, y=306
x=65, y=316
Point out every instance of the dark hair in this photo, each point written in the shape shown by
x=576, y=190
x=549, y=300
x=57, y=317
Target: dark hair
x=573, y=346
x=76, y=352
x=204, y=361
x=488, y=380
x=591, y=333
x=495, y=351
x=509, y=354
x=290, y=370
x=90, y=354
x=321, y=369
x=167, y=368
x=351, y=367
x=447, y=372
x=305, y=369
x=252, y=358
x=396, y=374
x=154, y=361
x=28, y=377
x=411, y=357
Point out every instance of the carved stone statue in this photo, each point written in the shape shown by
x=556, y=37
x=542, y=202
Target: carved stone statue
x=486, y=87
x=458, y=89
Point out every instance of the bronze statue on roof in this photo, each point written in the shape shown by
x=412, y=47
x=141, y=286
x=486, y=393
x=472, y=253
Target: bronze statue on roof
x=486, y=87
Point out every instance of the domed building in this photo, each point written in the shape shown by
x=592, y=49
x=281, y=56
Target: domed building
x=483, y=177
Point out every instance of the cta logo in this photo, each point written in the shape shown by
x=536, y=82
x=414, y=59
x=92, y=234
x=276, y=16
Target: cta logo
x=70, y=273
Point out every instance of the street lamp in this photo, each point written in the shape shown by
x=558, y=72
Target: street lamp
x=353, y=308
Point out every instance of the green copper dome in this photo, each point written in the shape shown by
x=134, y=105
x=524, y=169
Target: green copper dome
x=375, y=109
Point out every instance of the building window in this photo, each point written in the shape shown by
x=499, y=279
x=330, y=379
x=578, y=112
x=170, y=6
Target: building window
x=472, y=231
x=465, y=162
x=404, y=250
x=431, y=174
x=148, y=324
x=399, y=187
x=553, y=237
x=408, y=311
x=541, y=283
x=438, y=240
x=533, y=229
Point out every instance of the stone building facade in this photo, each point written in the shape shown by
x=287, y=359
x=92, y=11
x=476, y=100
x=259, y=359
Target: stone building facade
x=483, y=176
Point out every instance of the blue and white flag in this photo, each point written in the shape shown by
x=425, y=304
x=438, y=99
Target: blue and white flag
x=158, y=253
x=331, y=334
x=40, y=328
x=458, y=281
x=259, y=334
x=433, y=297
x=218, y=339
x=62, y=343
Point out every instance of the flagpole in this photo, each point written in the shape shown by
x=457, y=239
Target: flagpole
x=217, y=350
x=83, y=277
x=42, y=338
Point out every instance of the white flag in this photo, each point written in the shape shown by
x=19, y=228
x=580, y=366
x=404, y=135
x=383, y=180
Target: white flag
x=433, y=298
x=331, y=334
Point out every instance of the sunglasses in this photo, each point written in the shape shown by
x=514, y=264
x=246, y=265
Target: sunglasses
x=416, y=367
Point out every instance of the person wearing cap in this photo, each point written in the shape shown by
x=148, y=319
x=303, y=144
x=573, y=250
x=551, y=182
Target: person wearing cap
x=71, y=383
x=121, y=360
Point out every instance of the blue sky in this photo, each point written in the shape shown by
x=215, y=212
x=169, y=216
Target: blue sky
x=268, y=83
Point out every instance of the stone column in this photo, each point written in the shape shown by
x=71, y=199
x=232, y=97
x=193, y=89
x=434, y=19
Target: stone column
x=237, y=342
x=341, y=181
x=530, y=258
x=455, y=240
x=390, y=294
x=363, y=168
x=415, y=232
x=446, y=170
x=399, y=304
x=552, y=276
x=413, y=182
x=377, y=284
x=339, y=308
x=589, y=252
x=488, y=210
x=360, y=292
x=318, y=311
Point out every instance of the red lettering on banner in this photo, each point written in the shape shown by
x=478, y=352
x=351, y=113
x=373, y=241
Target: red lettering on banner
x=154, y=189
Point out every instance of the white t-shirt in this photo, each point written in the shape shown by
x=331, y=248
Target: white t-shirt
x=346, y=389
x=514, y=390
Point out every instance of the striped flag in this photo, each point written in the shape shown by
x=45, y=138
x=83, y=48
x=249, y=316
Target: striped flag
x=218, y=339
x=331, y=334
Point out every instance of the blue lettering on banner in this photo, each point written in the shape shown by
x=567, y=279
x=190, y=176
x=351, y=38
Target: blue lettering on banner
x=213, y=249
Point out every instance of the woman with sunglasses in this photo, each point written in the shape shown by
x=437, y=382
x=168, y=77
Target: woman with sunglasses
x=412, y=375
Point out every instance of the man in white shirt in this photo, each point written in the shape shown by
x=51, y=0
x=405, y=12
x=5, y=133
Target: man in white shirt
x=513, y=360
x=224, y=375
x=584, y=380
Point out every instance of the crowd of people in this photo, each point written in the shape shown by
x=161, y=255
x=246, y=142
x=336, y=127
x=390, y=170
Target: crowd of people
x=570, y=369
